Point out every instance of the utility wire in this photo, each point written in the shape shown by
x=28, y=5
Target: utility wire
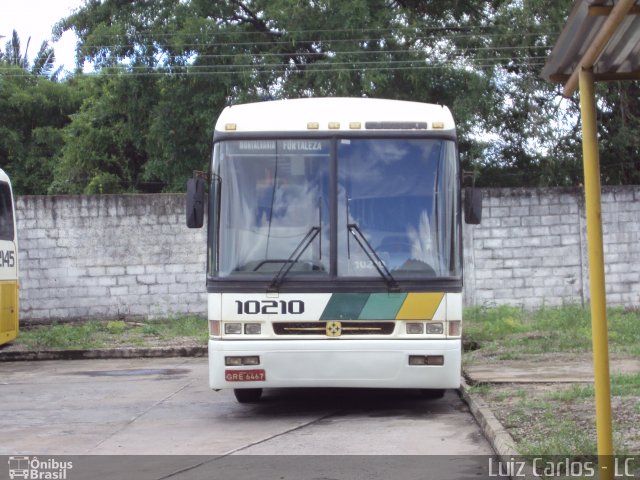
x=282, y=69
x=307, y=41
x=213, y=73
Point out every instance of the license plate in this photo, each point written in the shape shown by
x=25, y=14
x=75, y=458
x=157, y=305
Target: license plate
x=245, y=375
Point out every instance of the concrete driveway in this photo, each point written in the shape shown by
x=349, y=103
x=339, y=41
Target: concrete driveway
x=164, y=407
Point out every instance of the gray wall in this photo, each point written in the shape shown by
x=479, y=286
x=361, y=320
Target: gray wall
x=108, y=257
x=531, y=248
x=132, y=255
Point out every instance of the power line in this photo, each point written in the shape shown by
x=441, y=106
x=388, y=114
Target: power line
x=353, y=65
x=287, y=69
x=465, y=30
x=426, y=50
x=468, y=51
x=309, y=41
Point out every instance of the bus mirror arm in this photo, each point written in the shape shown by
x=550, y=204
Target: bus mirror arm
x=195, y=202
x=472, y=205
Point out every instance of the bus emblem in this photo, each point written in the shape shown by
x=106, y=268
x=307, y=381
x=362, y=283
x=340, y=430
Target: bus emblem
x=334, y=329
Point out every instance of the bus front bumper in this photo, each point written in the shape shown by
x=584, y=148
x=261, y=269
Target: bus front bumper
x=334, y=363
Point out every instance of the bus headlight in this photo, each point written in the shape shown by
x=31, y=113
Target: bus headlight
x=415, y=328
x=435, y=328
x=232, y=328
x=252, y=328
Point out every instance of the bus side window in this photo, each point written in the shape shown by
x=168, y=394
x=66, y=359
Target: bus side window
x=6, y=213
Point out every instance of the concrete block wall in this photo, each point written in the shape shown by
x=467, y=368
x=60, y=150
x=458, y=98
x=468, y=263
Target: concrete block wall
x=531, y=248
x=132, y=255
x=621, y=226
x=108, y=257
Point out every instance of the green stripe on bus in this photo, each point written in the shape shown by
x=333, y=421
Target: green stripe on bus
x=345, y=306
x=382, y=306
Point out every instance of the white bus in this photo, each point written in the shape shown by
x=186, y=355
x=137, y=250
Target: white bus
x=334, y=246
x=8, y=263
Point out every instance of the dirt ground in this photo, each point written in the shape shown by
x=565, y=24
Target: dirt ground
x=556, y=417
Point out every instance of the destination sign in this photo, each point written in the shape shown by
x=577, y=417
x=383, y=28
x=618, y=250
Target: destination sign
x=282, y=147
x=302, y=145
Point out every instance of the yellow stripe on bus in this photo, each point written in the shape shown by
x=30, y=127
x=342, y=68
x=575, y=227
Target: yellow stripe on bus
x=8, y=310
x=420, y=306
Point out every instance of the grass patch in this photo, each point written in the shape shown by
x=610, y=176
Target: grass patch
x=511, y=332
x=99, y=334
x=117, y=327
x=625, y=385
x=574, y=392
x=555, y=419
x=560, y=423
x=63, y=337
x=479, y=389
x=568, y=439
x=183, y=327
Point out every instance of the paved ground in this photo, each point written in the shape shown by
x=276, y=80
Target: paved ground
x=555, y=368
x=164, y=407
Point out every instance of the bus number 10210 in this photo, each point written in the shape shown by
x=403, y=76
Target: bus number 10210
x=270, y=307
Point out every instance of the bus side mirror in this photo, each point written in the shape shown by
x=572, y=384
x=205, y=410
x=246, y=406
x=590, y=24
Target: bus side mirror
x=195, y=202
x=472, y=205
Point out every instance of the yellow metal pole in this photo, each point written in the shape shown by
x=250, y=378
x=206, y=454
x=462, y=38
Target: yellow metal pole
x=596, y=272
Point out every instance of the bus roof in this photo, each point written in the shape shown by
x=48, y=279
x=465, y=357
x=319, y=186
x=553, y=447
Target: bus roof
x=334, y=113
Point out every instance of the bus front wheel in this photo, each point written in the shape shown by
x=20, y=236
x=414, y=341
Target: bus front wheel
x=248, y=395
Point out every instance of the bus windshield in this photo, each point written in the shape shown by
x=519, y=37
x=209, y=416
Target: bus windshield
x=6, y=213
x=272, y=194
x=274, y=204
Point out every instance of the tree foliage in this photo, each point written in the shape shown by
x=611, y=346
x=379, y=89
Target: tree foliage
x=163, y=70
x=105, y=142
x=33, y=113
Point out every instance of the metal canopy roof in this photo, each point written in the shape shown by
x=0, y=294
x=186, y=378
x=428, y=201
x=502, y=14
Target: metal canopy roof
x=599, y=34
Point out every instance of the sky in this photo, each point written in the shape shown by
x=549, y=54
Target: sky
x=35, y=19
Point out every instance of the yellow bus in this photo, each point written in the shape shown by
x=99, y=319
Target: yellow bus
x=334, y=246
x=8, y=263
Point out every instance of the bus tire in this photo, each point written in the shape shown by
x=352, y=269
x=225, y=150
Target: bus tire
x=432, y=393
x=247, y=395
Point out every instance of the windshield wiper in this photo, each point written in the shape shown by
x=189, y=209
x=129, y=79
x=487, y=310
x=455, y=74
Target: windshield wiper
x=293, y=259
x=374, y=257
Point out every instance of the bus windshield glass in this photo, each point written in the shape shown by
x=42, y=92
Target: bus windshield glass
x=392, y=207
x=273, y=193
x=401, y=194
x=6, y=213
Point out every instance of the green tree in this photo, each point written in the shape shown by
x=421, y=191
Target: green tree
x=43, y=63
x=532, y=132
x=482, y=58
x=216, y=53
x=619, y=124
x=105, y=143
x=180, y=130
x=34, y=110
